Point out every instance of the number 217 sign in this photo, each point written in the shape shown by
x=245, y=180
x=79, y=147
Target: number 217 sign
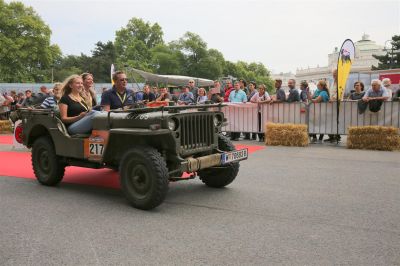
x=95, y=145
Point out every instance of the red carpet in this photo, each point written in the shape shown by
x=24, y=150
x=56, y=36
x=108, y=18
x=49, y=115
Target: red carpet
x=6, y=139
x=251, y=148
x=18, y=164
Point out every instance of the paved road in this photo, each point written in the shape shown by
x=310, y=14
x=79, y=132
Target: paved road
x=320, y=205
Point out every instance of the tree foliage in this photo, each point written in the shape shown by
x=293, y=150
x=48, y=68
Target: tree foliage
x=26, y=54
x=392, y=57
x=102, y=57
x=166, y=59
x=134, y=42
x=140, y=45
x=25, y=50
x=98, y=63
x=256, y=72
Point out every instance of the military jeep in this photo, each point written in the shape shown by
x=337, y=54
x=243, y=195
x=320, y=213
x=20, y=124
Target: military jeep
x=149, y=146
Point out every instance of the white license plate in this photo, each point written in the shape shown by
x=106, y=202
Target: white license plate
x=233, y=156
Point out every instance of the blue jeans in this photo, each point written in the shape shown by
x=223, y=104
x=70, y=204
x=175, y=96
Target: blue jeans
x=83, y=125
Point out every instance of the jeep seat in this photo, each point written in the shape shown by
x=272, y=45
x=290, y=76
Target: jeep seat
x=63, y=128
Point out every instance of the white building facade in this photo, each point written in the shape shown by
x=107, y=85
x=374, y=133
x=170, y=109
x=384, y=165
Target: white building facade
x=363, y=61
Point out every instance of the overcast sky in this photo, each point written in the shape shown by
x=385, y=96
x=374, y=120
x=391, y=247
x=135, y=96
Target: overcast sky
x=283, y=35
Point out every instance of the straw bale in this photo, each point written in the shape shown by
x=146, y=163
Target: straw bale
x=286, y=134
x=373, y=138
x=377, y=130
x=5, y=126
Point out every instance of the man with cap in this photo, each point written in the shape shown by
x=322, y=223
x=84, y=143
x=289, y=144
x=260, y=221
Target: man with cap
x=280, y=95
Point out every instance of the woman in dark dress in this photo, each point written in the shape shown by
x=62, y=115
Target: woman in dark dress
x=74, y=111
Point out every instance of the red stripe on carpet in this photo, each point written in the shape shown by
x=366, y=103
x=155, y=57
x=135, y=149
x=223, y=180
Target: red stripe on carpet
x=6, y=139
x=18, y=164
x=250, y=147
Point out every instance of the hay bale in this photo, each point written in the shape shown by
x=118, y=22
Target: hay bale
x=5, y=126
x=373, y=138
x=286, y=135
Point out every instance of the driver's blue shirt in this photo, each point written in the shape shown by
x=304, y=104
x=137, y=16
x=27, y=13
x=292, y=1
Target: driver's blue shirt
x=115, y=100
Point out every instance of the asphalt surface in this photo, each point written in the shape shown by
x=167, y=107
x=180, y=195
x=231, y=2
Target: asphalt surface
x=320, y=205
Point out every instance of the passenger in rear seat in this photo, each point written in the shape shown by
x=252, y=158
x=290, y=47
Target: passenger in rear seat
x=52, y=101
x=74, y=112
x=88, y=92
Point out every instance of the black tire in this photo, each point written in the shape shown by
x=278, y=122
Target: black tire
x=144, y=177
x=224, y=175
x=46, y=164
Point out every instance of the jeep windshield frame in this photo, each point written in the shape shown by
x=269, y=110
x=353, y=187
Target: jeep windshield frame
x=163, y=109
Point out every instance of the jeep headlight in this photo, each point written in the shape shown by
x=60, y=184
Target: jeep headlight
x=217, y=120
x=172, y=124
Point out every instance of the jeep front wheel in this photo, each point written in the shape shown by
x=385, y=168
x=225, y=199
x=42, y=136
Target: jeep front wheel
x=46, y=164
x=144, y=177
x=221, y=176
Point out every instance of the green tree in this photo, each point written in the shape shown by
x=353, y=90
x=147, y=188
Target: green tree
x=102, y=57
x=67, y=66
x=25, y=50
x=134, y=42
x=167, y=59
x=211, y=66
x=194, y=50
x=392, y=57
x=250, y=72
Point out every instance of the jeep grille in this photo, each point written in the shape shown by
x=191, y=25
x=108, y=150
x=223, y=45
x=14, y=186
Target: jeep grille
x=197, y=132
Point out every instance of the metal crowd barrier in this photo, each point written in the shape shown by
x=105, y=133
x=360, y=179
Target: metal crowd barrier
x=320, y=117
x=294, y=113
x=242, y=117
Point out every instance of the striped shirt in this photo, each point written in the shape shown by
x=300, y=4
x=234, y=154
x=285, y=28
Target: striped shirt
x=49, y=103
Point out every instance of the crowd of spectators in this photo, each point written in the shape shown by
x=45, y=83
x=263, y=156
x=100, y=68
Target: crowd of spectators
x=77, y=97
x=372, y=98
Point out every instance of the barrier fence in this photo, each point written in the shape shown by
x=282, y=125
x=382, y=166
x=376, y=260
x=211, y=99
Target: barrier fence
x=321, y=118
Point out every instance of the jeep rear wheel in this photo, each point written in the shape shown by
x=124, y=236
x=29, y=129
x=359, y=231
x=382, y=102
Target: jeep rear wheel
x=144, y=177
x=46, y=164
x=221, y=176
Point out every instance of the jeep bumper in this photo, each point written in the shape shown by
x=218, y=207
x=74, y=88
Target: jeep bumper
x=217, y=159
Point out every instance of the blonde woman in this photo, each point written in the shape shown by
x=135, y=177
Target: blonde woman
x=88, y=92
x=74, y=111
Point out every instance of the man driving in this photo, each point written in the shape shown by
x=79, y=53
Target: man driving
x=118, y=96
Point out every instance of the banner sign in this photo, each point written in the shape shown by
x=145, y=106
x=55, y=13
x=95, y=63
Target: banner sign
x=345, y=60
